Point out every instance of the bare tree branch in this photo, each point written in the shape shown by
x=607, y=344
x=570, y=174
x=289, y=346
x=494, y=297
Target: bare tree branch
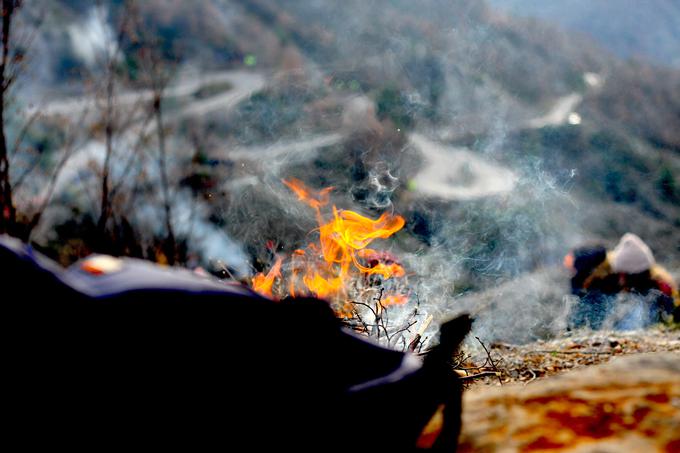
x=69, y=150
x=22, y=133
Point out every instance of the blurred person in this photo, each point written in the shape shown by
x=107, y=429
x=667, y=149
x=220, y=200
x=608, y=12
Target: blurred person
x=600, y=279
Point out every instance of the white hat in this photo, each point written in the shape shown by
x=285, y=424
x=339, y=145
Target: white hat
x=631, y=255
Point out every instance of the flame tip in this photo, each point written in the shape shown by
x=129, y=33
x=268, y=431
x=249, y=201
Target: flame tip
x=325, y=269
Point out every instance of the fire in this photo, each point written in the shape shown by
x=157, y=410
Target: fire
x=394, y=299
x=326, y=269
x=263, y=283
x=315, y=200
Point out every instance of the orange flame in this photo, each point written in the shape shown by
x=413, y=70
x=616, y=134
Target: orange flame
x=394, y=299
x=263, y=283
x=326, y=269
x=315, y=200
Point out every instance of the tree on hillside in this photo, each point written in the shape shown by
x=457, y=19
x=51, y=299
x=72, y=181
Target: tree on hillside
x=156, y=73
x=7, y=77
x=110, y=60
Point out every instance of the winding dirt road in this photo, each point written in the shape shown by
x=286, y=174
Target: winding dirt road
x=449, y=172
x=242, y=84
x=558, y=114
x=456, y=173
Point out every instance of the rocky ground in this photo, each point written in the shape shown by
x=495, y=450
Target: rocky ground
x=631, y=404
x=586, y=391
x=507, y=363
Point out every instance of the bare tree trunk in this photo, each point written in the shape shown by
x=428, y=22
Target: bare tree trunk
x=7, y=210
x=105, y=211
x=158, y=112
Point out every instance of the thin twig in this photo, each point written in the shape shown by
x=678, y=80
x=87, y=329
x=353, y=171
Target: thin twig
x=460, y=359
x=380, y=312
x=133, y=154
x=404, y=329
x=570, y=352
x=356, y=313
x=364, y=305
x=533, y=376
x=482, y=374
x=472, y=368
x=420, y=346
x=493, y=365
x=22, y=133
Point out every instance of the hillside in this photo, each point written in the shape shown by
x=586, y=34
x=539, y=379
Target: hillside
x=494, y=74
x=502, y=141
x=422, y=170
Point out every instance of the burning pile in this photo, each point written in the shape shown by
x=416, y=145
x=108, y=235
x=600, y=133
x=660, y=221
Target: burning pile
x=340, y=267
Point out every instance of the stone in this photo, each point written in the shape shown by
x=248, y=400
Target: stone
x=629, y=404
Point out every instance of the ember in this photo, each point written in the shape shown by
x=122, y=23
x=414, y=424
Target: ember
x=332, y=268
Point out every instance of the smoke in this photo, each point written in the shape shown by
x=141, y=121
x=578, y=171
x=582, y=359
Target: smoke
x=490, y=235
x=375, y=191
x=93, y=37
x=205, y=239
x=401, y=107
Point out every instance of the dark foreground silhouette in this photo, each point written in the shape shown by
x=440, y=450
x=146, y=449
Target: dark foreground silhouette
x=128, y=354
